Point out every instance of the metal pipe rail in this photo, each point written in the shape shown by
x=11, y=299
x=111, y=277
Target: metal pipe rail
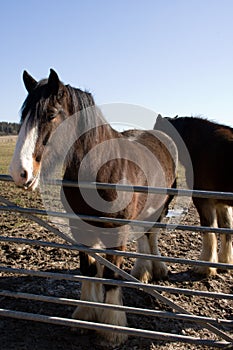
x=113, y=282
x=145, y=224
x=125, y=254
x=134, y=188
x=126, y=276
x=132, y=310
x=113, y=328
x=228, y=341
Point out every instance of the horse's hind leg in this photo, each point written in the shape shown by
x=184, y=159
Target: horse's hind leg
x=143, y=269
x=160, y=270
x=208, y=217
x=147, y=270
x=225, y=221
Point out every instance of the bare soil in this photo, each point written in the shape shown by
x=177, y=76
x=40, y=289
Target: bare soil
x=25, y=335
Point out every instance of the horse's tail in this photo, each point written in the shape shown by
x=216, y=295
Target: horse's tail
x=167, y=203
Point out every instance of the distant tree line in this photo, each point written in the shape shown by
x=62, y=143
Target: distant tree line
x=8, y=128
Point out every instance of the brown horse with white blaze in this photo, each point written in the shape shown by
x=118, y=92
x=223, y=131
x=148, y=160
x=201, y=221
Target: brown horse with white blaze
x=210, y=146
x=97, y=153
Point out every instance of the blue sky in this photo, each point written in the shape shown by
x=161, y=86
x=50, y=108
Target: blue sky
x=173, y=57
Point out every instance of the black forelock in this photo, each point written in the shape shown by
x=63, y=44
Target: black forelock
x=35, y=99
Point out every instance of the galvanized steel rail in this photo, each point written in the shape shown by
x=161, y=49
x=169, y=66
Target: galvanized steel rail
x=126, y=254
x=132, y=282
x=145, y=224
x=133, y=188
x=113, y=328
x=132, y=310
x=113, y=282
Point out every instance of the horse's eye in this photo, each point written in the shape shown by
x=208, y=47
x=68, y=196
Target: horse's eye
x=52, y=116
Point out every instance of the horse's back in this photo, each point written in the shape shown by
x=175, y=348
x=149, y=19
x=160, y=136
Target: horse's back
x=157, y=142
x=210, y=146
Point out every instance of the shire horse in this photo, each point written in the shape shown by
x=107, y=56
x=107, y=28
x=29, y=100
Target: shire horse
x=210, y=146
x=48, y=106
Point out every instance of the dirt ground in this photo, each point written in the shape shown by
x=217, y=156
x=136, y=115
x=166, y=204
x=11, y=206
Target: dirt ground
x=25, y=335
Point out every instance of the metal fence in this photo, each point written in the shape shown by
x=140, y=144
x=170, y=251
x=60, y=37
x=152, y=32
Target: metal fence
x=214, y=325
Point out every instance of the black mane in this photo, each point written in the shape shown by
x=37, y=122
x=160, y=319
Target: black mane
x=80, y=99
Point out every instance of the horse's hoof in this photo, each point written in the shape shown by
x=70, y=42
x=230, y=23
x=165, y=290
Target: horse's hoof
x=109, y=340
x=143, y=275
x=142, y=270
x=160, y=270
x=205, y=271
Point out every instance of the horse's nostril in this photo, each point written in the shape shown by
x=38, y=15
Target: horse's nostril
x=24, y=174
x=38, y=159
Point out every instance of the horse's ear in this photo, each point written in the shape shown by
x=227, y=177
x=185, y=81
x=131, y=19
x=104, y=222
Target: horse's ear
x=29, y=82
x=159, y=118
x=53, y=82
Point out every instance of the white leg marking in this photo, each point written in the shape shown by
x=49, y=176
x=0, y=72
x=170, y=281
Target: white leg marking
x=142, y=269
x=208, y=217
x=113, y=296
x=225, y=221
x=159, y=267
x=91, y=291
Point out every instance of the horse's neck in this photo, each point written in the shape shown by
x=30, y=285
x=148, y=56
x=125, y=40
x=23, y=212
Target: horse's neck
x=93, y=131
x=191, y=133
x=95, y=137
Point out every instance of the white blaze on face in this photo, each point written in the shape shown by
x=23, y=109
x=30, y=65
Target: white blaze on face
x=21, y=167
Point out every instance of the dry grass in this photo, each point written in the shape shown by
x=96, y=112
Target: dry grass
x=7, y=145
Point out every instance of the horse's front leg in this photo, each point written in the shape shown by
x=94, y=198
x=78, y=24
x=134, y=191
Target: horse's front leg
x=224, y=214
x=112, y=295
x=147, y=270
x=90, y=291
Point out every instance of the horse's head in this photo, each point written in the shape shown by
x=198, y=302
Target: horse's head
x=162, y=122
x=45, y=107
